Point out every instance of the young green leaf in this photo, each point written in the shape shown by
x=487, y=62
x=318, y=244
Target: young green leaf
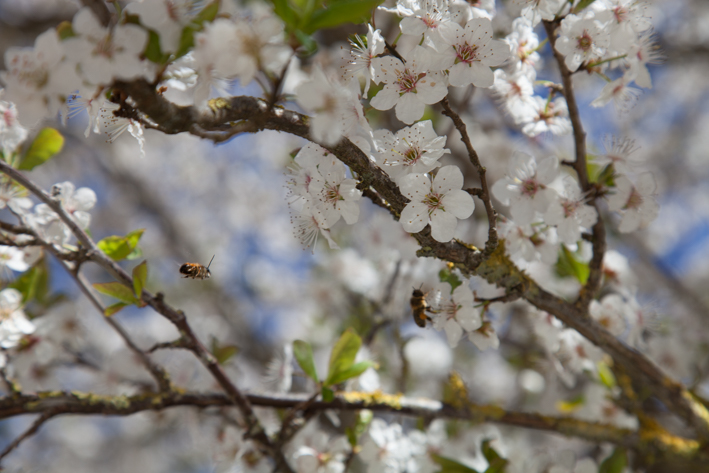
x=140, y=276
x=47, y=143
x=569, y=265
x=445, y=275
x=152, y=52
x=616, y=463
x=582, y=4
x=339, y=12
x=114, y=308
x=303, y=353
x=351, y=372
x=606, y=375
x=327, y=394
x=497, y=464
x=343, y=354
x=33, y=283
x=118, y=247
x=117, y=290
x=222, y=353
x=449, y=465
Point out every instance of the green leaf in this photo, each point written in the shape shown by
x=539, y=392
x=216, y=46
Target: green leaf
x=117, y=290
x=118, y=247
x=582, y=4
x=208, y=13
x=571, y=405
x=337, y=13
x=364, y=418
x=606, y=375
x=114, y=308
x=303, y=353
x=286, y=13
x=445, y=275
x=448, y=465
x=310, y=46
x=352, y=372
x=65, y=30
x=47, y=143
x=152, y=52
x=343, y=355
x=328, y=394
x=140, y=276
x=33, y=284
x=616, y=463
x=497, y=464
x=223, y=353
x=567, y=265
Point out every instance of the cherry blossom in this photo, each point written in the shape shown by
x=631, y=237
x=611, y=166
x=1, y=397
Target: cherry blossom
x=408, y=87
x=636, y=203
x=570, y=214
x=618, y=152
x=471, y=53
x=485, y=337
x=77, y=202
x=523, y=42
x=455, y=313
x=363, y=52
x=329, y=101
x=439, y=202
x=543, y=116
x=166, y=17
x=106, y=53
x=525, y=188
x=620, y=92
x=37, y=78
x=413, y=150
x=582, y=39
x=611, y=313
x=12, y=134
x=538, y=10
x=14, y=325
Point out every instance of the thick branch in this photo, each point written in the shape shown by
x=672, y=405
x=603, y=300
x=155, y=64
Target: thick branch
x=496, y=268
x=658, y=442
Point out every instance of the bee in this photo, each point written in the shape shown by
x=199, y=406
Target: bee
x=419, y=306
x=196, y=270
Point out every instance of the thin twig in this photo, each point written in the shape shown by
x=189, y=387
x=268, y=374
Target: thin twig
x=593, y=283
x=28, y=433
x=492, y=239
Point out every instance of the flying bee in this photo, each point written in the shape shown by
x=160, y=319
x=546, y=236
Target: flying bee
x=419, y=306
x=196, y=270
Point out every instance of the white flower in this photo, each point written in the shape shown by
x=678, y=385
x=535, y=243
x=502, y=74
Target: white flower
x=617, y=152
x=523, y=43
x=409, y=87
x=308, y=226
x=642, y=52
x=611, y=313
x=12, y=134
x=636, y=202
x=322, y=455
x=485, y=337
x=455, y=313
x=570, y=214
x=620, y=92
x=515, y=91
x=37, y=78
x=581, y=40
x=279, y=370
x=538, y=10
x=439, y=202
x=334, y=195
x=76, y=202
x=106, y=53
x=13, y=322
x=363, y=52
x=166, y=17
x=472, y=52
x=413, y=150
x=524, y=188
x=544, y=116
x=113, y=126
x=530, y=242
x=387, y=449
x=13, y=258
x=328, y=100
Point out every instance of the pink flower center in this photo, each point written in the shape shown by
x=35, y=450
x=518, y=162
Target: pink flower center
x=530, y=187
x=105, y=47
x=407, y=81
x=466, y=53
x=332, y=194
x=585, y=42
x=620, y=13
x=570, y=207
x=412, y=156
x=434, y=202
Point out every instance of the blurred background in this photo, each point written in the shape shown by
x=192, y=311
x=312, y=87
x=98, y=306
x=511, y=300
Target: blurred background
x=195, y=199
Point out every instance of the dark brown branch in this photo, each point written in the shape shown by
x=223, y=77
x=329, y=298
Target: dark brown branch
x=593, y=284
x=658, y=442
x=28, y=433
x=496, y=267
x=158, y=304
x=492, y=239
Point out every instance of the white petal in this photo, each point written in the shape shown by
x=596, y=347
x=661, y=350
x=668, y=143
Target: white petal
x=414, y=217
x=408, y=108
x=447, y=179
x=443, y=226
x=453, y=332
x=459, y=203
x=469, y=319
